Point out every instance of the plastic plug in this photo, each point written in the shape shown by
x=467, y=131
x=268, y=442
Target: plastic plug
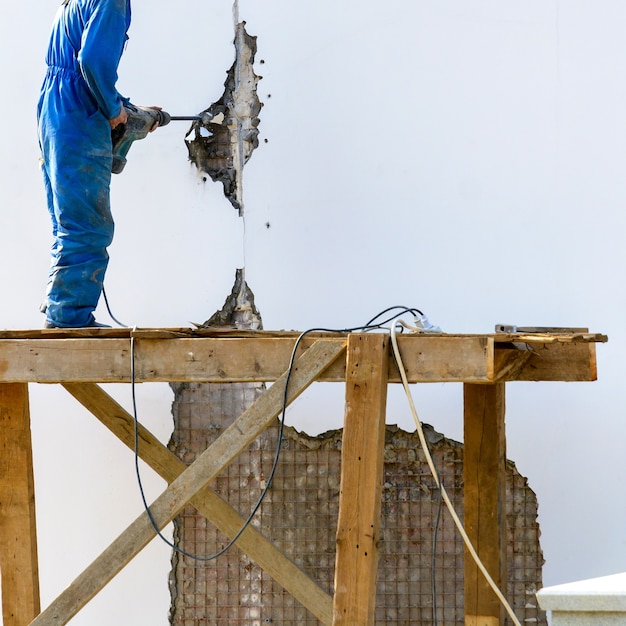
x=424, y=325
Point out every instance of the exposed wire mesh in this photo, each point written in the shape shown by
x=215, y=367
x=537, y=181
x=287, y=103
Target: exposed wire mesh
x=299, y=516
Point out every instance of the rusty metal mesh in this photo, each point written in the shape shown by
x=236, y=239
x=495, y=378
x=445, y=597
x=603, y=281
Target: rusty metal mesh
x=299, y=515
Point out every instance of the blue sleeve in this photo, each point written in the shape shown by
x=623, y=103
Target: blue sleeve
x=102, y=45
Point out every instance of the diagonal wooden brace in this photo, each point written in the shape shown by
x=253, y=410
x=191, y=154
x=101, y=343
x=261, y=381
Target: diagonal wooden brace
x=207, y=502
x=197, y=476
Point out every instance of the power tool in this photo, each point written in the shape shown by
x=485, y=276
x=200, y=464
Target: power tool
x=142, y=120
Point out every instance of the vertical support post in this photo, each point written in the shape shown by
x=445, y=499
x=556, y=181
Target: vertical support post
x=362, y=456
x=484, y=474
x=18, y=537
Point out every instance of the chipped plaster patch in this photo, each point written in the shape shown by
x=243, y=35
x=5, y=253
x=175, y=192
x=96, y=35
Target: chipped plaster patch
x=221, y=147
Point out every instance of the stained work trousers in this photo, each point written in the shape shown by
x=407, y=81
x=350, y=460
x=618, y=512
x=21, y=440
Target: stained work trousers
x=75, y=143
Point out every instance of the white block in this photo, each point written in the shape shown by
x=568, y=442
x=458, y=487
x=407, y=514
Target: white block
x=594, y=602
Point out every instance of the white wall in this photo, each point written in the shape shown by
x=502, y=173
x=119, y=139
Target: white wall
x=465, y=158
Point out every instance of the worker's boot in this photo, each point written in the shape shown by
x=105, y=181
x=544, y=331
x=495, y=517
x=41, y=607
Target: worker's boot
x=93, y=324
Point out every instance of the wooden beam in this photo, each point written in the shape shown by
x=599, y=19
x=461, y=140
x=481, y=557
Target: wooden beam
x=484, y=475
x=554, y=361
x=362, y=456
x=207, y=502
x=185, y=487
x=18, y=536
x=250, y=359
x=428, y=358
x=103, y=360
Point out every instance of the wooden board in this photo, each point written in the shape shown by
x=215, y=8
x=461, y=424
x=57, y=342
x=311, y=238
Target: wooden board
x=18, y=534
x=484, y=477
x=362, y=455
x=254, y=358
x=550, y=361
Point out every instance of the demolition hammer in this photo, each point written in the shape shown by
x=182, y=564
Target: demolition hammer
x=141, y=120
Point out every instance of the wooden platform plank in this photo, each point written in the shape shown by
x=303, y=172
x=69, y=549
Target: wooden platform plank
x=195, y=478
x=207, y=502
x=427, y=358
x=540, y=334
x=18, y=534
x=360, y=497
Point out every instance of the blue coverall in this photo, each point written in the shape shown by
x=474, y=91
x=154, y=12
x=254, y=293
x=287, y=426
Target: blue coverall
x=77, y=99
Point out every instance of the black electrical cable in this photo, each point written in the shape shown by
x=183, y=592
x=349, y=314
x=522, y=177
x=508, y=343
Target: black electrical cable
x=402, y=309
x=370, y=326
x=155, y=527
x=263, y=492
x=106, y=302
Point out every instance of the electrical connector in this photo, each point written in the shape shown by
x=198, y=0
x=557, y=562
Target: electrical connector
x=424, y=325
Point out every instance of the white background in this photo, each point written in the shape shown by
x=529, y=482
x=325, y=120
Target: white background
x=465, y=158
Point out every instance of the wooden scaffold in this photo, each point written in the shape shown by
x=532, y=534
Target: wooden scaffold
x=80, y=360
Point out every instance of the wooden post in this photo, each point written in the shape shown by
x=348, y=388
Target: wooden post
x=484, y=473
x=18, y=537
x=362, y=456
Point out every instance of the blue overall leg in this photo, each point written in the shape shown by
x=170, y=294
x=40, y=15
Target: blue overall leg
x=77, y=176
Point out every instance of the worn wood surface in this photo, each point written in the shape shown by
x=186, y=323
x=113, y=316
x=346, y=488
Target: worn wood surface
x=484, y=477
x=560, y=334
x=160, y=357
x=207, y=502
x=481, y=620
x=557, y=361
x=185, y=487
x=18, y=535
x=362, y=456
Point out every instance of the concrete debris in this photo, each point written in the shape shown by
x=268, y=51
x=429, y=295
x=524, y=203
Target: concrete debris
x=221, y=147
x=239, y=310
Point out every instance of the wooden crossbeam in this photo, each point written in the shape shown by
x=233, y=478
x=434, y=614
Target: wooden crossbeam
x=18, y=535
x=427, y=358
x=191, y=481
x=557, y=361
x=362, y=457
x=207, y=502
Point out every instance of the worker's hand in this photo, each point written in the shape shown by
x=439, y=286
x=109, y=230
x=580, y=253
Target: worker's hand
x=120, y=119
x=156, y=124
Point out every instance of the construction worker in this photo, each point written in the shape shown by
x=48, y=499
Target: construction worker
x=78, y=106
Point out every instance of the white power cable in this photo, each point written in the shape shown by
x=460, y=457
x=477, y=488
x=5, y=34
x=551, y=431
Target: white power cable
x=433, y=469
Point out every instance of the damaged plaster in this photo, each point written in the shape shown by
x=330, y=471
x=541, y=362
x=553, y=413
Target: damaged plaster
x=239, y=310
x=221, y=147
